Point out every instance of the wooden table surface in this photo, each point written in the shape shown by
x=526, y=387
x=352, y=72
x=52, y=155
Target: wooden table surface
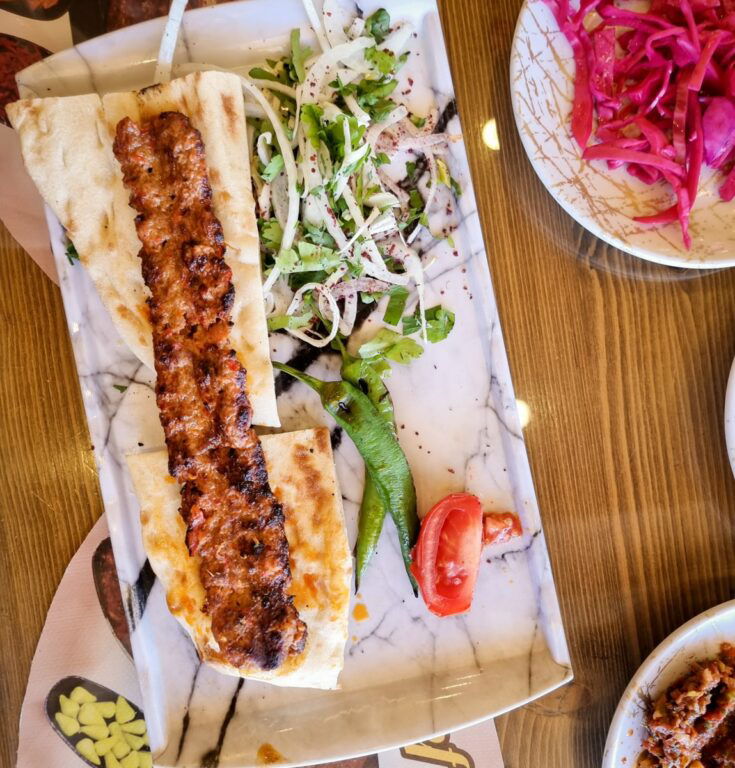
x=623, y=365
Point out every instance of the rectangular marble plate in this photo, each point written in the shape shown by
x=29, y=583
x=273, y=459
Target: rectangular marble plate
x=407, y=675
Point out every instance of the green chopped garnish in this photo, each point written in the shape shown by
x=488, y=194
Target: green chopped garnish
x=71, y=253
x=377, y=25
x=391, y=345
x=274, y=167
x=319, y=236
x=311, y=116
x=298, y=55
x=271, y=233
x=396, y=304
x=383, y=61
x=439, y=323
x=119, y=388
x=288, y=322
x=258, y=73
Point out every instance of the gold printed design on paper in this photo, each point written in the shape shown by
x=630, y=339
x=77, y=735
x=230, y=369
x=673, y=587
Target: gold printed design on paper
x=439, y=751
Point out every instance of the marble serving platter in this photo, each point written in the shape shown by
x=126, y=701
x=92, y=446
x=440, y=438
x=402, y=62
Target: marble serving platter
x=408, y=675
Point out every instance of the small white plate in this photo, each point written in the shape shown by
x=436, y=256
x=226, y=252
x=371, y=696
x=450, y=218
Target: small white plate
x=602, y=201
x=730, y=417
x=698, y=639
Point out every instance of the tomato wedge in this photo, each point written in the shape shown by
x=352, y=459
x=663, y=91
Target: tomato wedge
x=446, y=558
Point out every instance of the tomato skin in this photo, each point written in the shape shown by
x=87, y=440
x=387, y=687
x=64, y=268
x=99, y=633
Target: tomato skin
x=446, y=558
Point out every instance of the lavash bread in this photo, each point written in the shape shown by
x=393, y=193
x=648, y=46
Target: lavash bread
x=301, y=472
x=67, y=148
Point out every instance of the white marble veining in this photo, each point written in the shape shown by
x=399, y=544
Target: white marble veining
x=407, y=673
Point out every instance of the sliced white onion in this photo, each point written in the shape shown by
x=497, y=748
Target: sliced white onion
x=398, y=39
x=167, y=49
x=331, y=110
x=292, y=220
x=360, y=231
x=254, y=110
x=362, y=116
x=312, y=88
x=342, y=178
x=373, y=133
x=264, y=201
x=263, y=147
x=359, y=285
x=374, y=266
x=416, y=271
x=275, y=273
x=356, y=28
x=330, y=220
x=349, y=314
x=279, y=298
x=384, y=224
x=331, y=304
x=389, y=183
x=279, y=198
x=274, y=85
x=382, y=200
x=436, y=141
x=335, y=18
x=316, y=23
x=431, y=193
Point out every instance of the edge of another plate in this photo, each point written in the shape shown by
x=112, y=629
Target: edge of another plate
x=670, y=659
x=730, y=417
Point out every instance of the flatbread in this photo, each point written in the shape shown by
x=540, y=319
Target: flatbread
x=301, y=472
x=67, y=148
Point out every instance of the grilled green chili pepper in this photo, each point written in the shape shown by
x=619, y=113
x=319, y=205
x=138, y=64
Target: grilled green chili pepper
x=384, y=459
x=372, y=510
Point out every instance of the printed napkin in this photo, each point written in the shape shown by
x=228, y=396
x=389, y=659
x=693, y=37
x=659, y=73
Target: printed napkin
x=85, y=644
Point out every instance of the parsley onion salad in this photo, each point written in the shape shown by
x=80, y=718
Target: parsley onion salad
x=345, y=181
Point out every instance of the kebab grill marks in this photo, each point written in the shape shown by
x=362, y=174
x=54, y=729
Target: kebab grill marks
x=234, y=522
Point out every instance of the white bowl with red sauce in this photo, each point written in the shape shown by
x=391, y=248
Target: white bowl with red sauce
x=697, y=640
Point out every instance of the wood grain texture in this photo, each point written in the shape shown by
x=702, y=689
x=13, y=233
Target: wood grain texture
x=624, y=366
x=49, y=496
x=622, y=363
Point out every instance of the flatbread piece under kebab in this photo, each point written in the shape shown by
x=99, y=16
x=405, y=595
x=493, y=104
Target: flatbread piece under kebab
x=301, y=471
x=67, y=148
